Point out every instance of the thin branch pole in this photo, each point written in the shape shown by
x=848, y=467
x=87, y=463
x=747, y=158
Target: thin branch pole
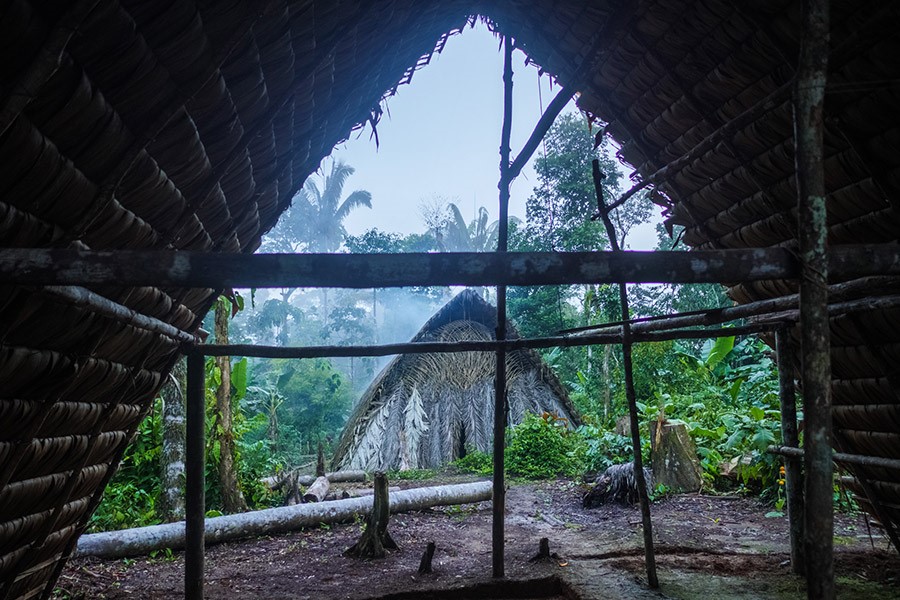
x=85, y=298
x=507, y=345
x=639, y=479
x=793, y=474
x=809, y=125
x=766, y=105
x=499, y=501
x=546, y=121
x=715, y=316
x=195, y=481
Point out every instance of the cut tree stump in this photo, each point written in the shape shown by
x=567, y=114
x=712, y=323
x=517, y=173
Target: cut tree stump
x=674, y=457
x=317, y=491
x=375, y=539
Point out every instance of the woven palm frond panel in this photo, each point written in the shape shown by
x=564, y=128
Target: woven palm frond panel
x=425, y=410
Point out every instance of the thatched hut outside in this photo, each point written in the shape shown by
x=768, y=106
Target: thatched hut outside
x=424, y=410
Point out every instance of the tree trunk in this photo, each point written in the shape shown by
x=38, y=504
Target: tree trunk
x=376, y=538
x=143, y=540
x=232, y=498
x=607, y=353
x=172, y=496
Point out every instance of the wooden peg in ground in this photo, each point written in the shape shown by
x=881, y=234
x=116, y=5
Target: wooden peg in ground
x=375, y=539
x=545, y=555
x=425, y=564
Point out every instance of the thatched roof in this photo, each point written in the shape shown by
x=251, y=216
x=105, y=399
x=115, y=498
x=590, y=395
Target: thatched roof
x=189, y=125
x=424, y=410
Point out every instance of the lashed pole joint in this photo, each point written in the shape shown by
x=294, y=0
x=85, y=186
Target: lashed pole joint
x=640, y=480
x=809, y=109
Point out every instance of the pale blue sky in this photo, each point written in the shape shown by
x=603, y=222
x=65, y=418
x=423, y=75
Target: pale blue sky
x=440, y=136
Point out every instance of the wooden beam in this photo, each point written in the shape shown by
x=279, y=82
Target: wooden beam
x=46, y=266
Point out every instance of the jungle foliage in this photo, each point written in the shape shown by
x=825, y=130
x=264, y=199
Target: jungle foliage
x=725, y=390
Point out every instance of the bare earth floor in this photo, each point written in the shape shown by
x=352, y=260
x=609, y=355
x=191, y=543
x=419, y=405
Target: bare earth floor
x=707, y=547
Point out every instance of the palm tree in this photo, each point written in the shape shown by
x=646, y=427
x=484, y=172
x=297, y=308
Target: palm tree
x=480, y=235
x=315, y=220
x=322, y=212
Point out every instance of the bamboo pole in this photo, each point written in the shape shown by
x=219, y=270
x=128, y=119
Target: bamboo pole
x=481, y=345
x=793, y=476
x=47, y=266
x=809, y=113
x=498, y=504
x=639, y=479
x=195, y=481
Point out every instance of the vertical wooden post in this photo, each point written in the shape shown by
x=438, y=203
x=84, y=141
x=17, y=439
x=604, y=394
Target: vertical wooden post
x=499, y=500
x=195, y=484
x=630, y=396
x=809, y=109
x=793, y=474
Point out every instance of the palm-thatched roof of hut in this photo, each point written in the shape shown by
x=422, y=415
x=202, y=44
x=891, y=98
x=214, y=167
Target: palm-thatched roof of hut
x=188, y=125
x=424, y=410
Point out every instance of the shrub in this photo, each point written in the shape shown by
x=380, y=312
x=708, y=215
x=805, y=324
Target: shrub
x=543, y=448
x=475, y=461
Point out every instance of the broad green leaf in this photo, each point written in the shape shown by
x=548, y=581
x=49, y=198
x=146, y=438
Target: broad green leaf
x=719, y=350
x=757, y=413
x=239, y=378
x=762, y=439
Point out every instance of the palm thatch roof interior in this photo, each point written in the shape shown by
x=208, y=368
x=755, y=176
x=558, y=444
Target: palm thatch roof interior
x=189, y=124
x=425, y=410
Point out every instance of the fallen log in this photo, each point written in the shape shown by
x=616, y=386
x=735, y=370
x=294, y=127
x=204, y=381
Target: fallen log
x=276, y=481
x=143, y=540
x=317, y=491
x=356, y=493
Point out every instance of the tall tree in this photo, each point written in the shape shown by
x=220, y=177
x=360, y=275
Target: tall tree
x=315, y=220
x=232, y=497
x=172, y=496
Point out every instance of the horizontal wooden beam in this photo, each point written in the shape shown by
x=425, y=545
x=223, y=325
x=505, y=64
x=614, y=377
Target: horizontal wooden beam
x=597, y=339
x=841, y=457
x=361, y=271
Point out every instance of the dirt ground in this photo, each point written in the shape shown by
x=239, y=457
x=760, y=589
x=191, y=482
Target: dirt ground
x=707, y=547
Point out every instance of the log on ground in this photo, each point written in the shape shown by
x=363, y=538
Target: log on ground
x=317, y=491
x=143, y=540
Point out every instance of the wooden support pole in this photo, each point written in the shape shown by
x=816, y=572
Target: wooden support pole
x=809, y=126
x=195, y=480
x=630, y=396
x=498, y=504
x=793, y=474
x=47, y=266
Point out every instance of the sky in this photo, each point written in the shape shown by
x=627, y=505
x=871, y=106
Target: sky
x=440, y=138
